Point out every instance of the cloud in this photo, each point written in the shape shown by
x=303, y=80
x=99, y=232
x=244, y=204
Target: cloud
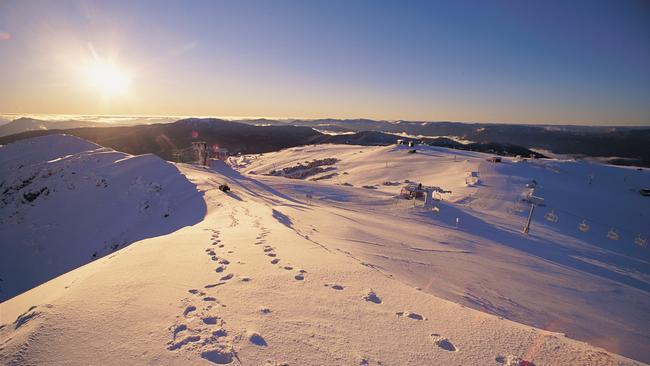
x=5, y=36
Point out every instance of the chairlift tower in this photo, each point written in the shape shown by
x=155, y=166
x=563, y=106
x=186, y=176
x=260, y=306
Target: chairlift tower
x=201, y=149
x=176, y=155
x=534, y=201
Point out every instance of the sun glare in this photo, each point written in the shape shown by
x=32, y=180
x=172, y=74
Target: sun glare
x=109, y=79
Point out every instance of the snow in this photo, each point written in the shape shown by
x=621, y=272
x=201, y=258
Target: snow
x=66, y=202
x=558, y=278
x=350, y=276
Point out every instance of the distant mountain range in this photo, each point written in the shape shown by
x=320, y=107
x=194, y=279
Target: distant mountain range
x=617, y=145
x=30, y=124
x=622, y=145
x=23, y=124
x=162, y=139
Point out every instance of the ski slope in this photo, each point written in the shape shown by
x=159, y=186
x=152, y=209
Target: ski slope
x=559, y=278
x=297, y=272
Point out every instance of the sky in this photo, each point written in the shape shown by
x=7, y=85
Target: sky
x=519, y=61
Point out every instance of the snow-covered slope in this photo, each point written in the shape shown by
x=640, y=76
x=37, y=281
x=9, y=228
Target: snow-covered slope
x=66, y=202
x=559, y=278
x=296, y=272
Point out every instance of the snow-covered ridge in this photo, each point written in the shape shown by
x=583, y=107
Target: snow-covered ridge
x=65, y=202
x=300, y=272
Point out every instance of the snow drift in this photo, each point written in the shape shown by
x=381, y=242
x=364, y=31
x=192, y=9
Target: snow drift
x=66, y=202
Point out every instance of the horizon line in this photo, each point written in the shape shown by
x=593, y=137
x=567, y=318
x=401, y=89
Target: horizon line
x=239, y=118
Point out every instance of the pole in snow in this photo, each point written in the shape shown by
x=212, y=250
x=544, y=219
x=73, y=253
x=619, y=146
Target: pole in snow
x=530, y=216
x=534, y=201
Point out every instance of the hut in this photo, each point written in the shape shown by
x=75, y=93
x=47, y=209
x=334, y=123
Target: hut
x=412, y=191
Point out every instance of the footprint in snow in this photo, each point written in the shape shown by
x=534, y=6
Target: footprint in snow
x=408, y=314
x=256, y=339
x=511, y=360
x=179, y=340
x=371, y=296
x=443, y=343
x=218, y=356
x=219, y=333
x=184, y=341
x=335, y=287
x=210, y=320
x=178, y=329
x=188, y=310
x=367, y=361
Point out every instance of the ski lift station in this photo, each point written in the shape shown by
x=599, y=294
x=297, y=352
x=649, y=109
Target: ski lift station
x=199, y=153
x=220, y=153
x=413, y=191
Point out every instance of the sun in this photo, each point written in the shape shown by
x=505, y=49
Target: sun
x=108, y=78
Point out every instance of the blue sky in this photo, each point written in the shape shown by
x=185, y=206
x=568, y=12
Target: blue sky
x=496, y=61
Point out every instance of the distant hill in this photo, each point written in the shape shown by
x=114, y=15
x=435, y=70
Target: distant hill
x=620, y=145
x=370, y=138
x=162, y=139
x=30, y=124
x=614, y=145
